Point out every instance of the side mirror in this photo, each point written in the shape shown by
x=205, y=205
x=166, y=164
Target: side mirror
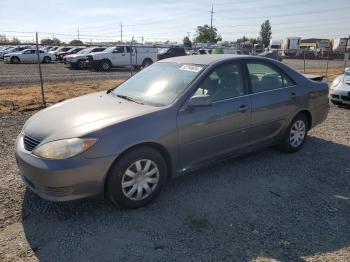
x=202, y=100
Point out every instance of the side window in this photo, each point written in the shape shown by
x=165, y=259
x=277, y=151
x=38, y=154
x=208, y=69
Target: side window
x=27, y=52
x=41, y=51
x=287, y=81
x=128, y=49
x=33, y=51
x=224, y=82
x=263, y=77
x=119, y=49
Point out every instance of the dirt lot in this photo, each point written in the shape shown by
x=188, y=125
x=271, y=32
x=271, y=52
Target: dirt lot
x=260, y=207
x=20, y=74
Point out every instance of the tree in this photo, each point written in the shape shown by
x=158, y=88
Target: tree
x=204, y=34
x=48, y=41
x=15, y=41
x=76, y=42
x=187, y=42
x=265, y=33
x=3, y=39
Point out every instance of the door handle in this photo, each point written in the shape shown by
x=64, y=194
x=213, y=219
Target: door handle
x=293, y=95
x=243, y=108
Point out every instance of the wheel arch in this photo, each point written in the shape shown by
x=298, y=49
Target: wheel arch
x=308, y=116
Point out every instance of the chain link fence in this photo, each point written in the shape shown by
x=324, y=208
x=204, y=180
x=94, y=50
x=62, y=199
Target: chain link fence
x=20, y=82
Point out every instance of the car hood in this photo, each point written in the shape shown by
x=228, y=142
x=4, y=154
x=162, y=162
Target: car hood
x=14, y=53
x=80, y=116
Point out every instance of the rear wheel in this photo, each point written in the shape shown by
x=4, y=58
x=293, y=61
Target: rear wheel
x=295, y=135
x=136, y=178
x=15, y=60
x=147, y=62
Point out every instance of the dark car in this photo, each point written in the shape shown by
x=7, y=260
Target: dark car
x=170, y=118
x=171, y=52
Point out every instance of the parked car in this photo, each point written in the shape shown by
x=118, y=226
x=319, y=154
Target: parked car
x=339, y=92
x=29, y=56
x=12, y=50
x=78, y=60
x=170, y=118
x=60, y=55
x=171, y=52
x=60, y=49
x=119, y=56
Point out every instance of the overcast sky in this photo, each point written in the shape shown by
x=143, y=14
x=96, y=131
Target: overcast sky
x=172, y=20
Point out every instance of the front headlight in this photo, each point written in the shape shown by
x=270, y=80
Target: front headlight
x=65, y=148
x=336, y=82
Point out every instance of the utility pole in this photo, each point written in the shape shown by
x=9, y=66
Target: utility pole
x=142, y=40
x=211, y=23
x=121, y=32
x=78, y=34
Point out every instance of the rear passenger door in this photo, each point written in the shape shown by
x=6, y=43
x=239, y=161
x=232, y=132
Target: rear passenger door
x=273, y=99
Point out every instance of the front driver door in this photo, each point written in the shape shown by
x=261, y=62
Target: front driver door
x=206, y=132
x=119, y=57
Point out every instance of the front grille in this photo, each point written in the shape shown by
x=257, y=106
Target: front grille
x=335, y=96
x=30, y=143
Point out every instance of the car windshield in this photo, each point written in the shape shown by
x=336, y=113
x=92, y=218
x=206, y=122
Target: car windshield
x=347, y=73
x=85, y=51
x=163, y=50
x=158, y=84
x=110, y=49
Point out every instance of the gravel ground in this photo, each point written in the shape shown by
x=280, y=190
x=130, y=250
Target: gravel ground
x=11, y=74
x=265, y=206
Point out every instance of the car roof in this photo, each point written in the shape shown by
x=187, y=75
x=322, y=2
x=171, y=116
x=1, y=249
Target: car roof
x=203, y=59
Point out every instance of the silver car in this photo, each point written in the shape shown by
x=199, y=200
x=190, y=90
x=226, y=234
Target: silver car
x=171, y=118
x=339, y=92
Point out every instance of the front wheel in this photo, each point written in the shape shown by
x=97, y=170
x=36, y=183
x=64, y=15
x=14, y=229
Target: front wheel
x=15, y=60
x=295, y=135
x=136, y=178
x=105, y=65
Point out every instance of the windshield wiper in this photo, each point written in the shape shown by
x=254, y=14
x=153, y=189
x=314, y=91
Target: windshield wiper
x=129, y=98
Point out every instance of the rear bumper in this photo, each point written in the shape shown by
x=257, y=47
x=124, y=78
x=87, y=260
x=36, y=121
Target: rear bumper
x=62, y=180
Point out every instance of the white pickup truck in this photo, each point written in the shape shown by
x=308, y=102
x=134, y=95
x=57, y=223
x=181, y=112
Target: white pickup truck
x=121, y=56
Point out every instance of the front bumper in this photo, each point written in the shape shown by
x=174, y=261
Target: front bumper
x=62, y=180
x=340, y=95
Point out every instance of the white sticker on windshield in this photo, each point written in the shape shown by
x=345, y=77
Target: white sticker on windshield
x=191, y=68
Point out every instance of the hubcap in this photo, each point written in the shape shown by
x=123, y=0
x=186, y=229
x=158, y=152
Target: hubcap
x=140, y=179
x=105, y=66
x=297, y=133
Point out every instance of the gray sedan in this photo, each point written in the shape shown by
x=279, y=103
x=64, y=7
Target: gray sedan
x=339, y=92
x=172, y=117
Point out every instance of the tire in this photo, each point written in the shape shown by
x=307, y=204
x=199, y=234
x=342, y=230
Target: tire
x=46, y=60
x=336, y=103
x=295, y=135
x=147, y=62
x=105, y=65
x=81, y=64
x=15, y=60
x=139, y=188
